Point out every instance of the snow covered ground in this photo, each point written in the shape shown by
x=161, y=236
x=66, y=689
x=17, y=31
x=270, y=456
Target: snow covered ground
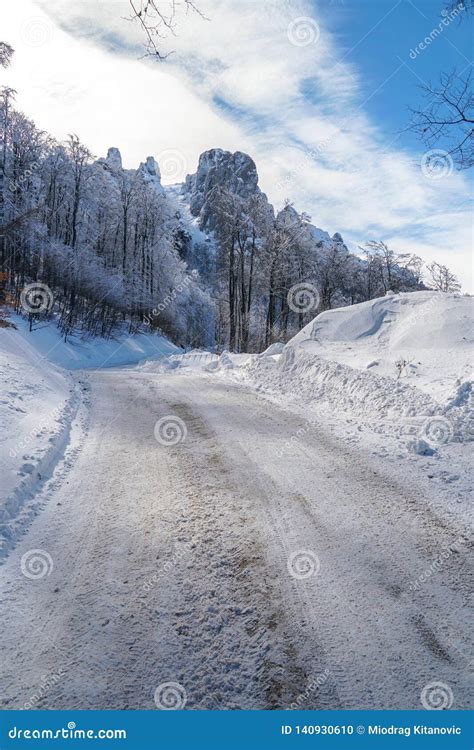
x=394, y=374
x=208, y=553
x=251, y=529
x=41, y=403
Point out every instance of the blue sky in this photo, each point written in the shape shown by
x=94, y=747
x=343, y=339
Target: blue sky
x=378, y=35
x=316, y=91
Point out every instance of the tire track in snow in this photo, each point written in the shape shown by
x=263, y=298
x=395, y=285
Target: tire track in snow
x=170, y=564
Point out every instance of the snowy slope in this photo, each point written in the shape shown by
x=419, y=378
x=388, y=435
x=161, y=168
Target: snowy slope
x=430, y=331
x=36, y=409
x=402, y=362
x=341, y=370
x=179, y=204
x=41, y=401
x=79, y=353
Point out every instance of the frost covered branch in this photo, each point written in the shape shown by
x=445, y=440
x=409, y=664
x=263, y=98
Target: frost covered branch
x=158, y=19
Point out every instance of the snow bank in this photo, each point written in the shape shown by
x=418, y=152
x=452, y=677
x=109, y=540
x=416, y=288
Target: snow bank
x=92, y=352
x=396, y=407
x=35, y=412
x=40, y=402
x=402, y=363
x=198, y=360
x=423, y=338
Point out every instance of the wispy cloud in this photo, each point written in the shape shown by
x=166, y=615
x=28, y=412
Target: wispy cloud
x=242, y=81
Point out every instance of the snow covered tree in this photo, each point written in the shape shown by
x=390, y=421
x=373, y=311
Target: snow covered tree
x=442, y=278
x=6, y=54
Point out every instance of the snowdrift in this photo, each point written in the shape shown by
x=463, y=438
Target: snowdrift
x=428, y=333
x=402, y=362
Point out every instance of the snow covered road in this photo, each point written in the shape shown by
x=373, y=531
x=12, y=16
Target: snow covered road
x=255, y=562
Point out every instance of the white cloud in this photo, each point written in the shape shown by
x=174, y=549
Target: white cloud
x=294, y=108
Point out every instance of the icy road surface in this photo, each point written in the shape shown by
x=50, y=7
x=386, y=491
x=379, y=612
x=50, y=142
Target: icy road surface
x=256, y=563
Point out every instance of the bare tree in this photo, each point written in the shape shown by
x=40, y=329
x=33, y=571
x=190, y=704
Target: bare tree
x=6, y=97
x=79, y=156
x=6, y=54
x=158, y=20
x=448, y=117
x=442, y=278
x=385, y=263
x=462, y=5
x=413, y=264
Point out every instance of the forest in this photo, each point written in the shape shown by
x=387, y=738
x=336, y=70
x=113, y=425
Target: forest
x=209, y=263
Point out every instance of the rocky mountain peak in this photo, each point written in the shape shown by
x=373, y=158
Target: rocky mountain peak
x=113, y=159
x=151, y=167
x=236, y=172
x=149, y=171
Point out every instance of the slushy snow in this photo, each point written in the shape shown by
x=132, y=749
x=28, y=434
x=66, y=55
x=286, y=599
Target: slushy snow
x=40, y=402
